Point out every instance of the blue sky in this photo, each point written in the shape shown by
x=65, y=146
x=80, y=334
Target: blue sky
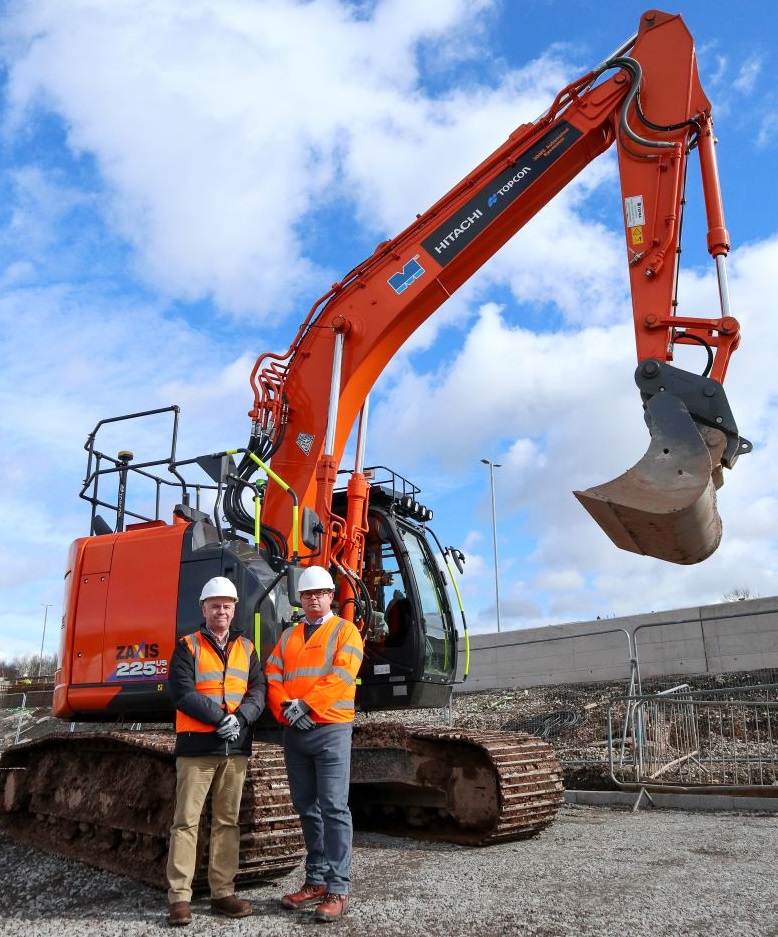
x=181, y=181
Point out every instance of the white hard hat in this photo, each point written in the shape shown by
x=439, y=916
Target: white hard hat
x=315, y=577
x=219, y=588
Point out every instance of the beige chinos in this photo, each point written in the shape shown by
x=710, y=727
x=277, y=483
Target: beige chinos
x=195, y=777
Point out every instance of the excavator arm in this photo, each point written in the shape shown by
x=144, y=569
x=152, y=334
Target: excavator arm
x=647, y=99
x=666, y=505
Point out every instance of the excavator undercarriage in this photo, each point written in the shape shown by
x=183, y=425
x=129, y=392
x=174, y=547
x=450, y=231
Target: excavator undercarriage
x=111, y=806
x=471, y=787
x=107, y=800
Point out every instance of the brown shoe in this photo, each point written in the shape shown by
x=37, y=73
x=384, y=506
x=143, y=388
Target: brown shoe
x=332, y=908
x=231, y=906
x=308, y=894
x=180, y=913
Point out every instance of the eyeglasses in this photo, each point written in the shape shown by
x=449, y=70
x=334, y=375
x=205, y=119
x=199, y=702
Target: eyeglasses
x=315, y=593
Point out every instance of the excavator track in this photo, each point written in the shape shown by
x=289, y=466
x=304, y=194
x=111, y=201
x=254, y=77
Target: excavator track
x=473, y=787
x=107, y=800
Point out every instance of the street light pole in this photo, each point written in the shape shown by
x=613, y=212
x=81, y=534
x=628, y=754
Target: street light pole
x=43, y=637
x=492, y=467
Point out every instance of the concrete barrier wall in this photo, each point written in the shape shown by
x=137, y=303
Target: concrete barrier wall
x=723, y=638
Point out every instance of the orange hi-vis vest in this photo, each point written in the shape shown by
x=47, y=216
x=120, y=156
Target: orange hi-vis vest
x=225, y=684
x=322, y=671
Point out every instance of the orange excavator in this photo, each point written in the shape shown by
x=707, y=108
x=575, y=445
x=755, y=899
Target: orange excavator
x=259, y=514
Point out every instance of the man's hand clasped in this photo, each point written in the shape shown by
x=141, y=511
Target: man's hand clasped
x=229, y=728
x=296, y=714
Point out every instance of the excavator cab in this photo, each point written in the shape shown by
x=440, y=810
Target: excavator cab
x=136, y=567
x=409, y=631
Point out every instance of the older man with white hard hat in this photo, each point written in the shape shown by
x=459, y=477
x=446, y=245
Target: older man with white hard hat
x=217, y=686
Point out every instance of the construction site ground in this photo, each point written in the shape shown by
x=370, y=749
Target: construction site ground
x=597, y=871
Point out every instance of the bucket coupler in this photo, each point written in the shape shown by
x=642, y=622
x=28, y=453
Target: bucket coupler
x=665, y=506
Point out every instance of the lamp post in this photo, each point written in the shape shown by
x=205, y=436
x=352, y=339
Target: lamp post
x=492, y=467
x=43, y=637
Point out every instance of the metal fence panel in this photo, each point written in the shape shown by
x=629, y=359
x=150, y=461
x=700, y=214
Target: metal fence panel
x=723, y=739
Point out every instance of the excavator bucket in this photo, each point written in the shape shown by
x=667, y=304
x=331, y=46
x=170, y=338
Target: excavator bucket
x=665, y=506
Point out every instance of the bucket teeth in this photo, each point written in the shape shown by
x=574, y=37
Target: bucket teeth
x=665, y=506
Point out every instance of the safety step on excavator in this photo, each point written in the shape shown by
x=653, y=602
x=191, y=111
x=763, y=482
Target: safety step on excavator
x=259, y=514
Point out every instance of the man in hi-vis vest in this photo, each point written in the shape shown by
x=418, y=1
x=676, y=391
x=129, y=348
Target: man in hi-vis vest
x=311, y=682
x=217, y=686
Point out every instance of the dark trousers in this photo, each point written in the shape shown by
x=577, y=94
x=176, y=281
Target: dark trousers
x=318, y=763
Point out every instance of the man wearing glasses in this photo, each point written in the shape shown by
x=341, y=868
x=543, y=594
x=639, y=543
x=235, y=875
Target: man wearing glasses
x=311, y=675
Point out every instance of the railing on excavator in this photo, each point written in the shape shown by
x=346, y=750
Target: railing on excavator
x=120, y=469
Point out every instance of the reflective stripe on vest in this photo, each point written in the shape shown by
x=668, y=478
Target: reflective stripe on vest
x=225, y=684
x=296, y=668
x=327, y=666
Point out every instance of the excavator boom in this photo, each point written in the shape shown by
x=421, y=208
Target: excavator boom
x=653, y=108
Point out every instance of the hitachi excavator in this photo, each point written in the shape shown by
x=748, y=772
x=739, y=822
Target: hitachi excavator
x=259, y=514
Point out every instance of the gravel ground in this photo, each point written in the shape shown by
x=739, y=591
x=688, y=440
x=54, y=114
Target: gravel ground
x=595, y=872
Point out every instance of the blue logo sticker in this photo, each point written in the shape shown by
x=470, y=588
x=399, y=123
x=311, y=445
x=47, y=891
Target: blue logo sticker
x=400, y=282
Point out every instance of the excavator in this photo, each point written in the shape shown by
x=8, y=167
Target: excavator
x=261, y=513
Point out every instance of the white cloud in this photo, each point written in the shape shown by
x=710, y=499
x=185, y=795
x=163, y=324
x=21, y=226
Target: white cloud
x=217, y=127
x=768, y=131
x=747, y=76
x=239, y=153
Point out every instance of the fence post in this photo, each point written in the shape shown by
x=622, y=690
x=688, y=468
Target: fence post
x=21, y=714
